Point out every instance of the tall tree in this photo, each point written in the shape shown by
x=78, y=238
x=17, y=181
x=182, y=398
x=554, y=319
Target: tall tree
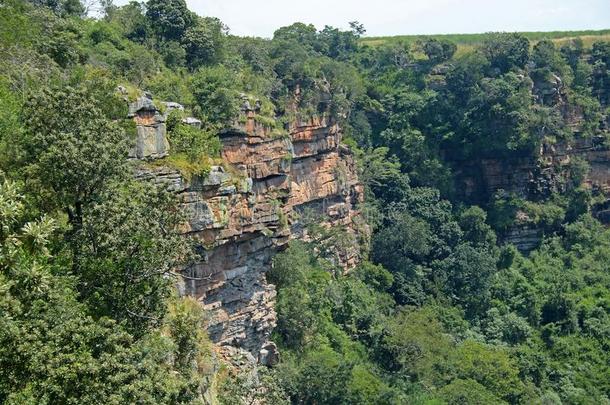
x=170, y=18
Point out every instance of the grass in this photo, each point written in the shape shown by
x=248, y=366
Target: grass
x=467, y=42
x=187, y=166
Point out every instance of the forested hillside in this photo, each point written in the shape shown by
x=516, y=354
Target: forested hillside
x=479, y=266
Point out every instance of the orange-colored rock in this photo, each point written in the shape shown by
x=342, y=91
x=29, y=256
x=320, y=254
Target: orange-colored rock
x=244, y=215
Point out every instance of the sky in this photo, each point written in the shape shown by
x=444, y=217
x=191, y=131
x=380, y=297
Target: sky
x=403, y=17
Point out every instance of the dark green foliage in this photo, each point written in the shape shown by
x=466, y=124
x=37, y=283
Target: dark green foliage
x=600, y=58
x=53, y=351
x=125, y=253
x=204, y=42
x=71, y=146
x=436, y=50
x=321, y=323
x=506, y=51
x=170, y=18
x=442, y=313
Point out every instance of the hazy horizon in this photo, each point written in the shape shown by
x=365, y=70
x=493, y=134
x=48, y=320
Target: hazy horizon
x=391, y=17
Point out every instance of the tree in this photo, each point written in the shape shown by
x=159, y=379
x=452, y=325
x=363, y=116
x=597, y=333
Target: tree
x=303, y=34
x=572, y=51
x=131, y=19
x=339, y=44
x=499, y=118
x=469, y=271
x=405, y=241
x=476, y=230
x=600, y=58
x=417, y=346
x=72, y=148
x=123, y=235
x=194, y=142
x=381, y=174
x=545, y=55
x=506, y=51
x=204, y=42
x=436, y=50
x=9, y=121
x=127, y=251
x=468, y=392
x=61, y=42
x=491, y=367
x=170, y=18
x=53, y=351
x=214, y=89
x=62, y=7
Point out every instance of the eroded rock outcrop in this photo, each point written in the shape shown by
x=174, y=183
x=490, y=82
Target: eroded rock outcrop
x=538, y=176
x=151, y=139
x=546, y=171
x=245, y=211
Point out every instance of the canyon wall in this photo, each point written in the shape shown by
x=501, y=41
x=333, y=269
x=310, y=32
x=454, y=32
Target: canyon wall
x=546, y=171
x=249, y=207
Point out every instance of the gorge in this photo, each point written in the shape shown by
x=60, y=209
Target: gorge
x=248, y=208
x=189, y=216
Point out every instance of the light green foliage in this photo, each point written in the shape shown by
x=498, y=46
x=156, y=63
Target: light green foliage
x=193, y=150
x=416, y=345
x=171, y=85
x=194, y=142
x=185, y=324
x=216, y=94
x=490, y=366
x=62, y=7
x=131, y=21
x=126, y=59
x=469, y=392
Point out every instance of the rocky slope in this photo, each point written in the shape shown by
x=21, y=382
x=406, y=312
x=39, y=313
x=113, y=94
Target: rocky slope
x=248, y=208
x=546, y=171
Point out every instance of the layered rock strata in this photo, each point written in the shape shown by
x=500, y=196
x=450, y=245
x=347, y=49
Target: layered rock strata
x=246, y=210
x=539, y=176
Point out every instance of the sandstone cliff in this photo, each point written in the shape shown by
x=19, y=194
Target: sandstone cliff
x=248, y=208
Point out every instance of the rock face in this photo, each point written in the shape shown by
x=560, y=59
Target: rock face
x=544, y=173
x=151, y=140
x=539, y=176
x=547, y=170
x=246, y=210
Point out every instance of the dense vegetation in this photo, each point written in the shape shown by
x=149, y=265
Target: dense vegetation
x=467, y=42
x=441, y=312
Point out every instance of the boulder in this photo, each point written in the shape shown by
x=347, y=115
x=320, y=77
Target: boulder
x=192, y=121
x=269, y=355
